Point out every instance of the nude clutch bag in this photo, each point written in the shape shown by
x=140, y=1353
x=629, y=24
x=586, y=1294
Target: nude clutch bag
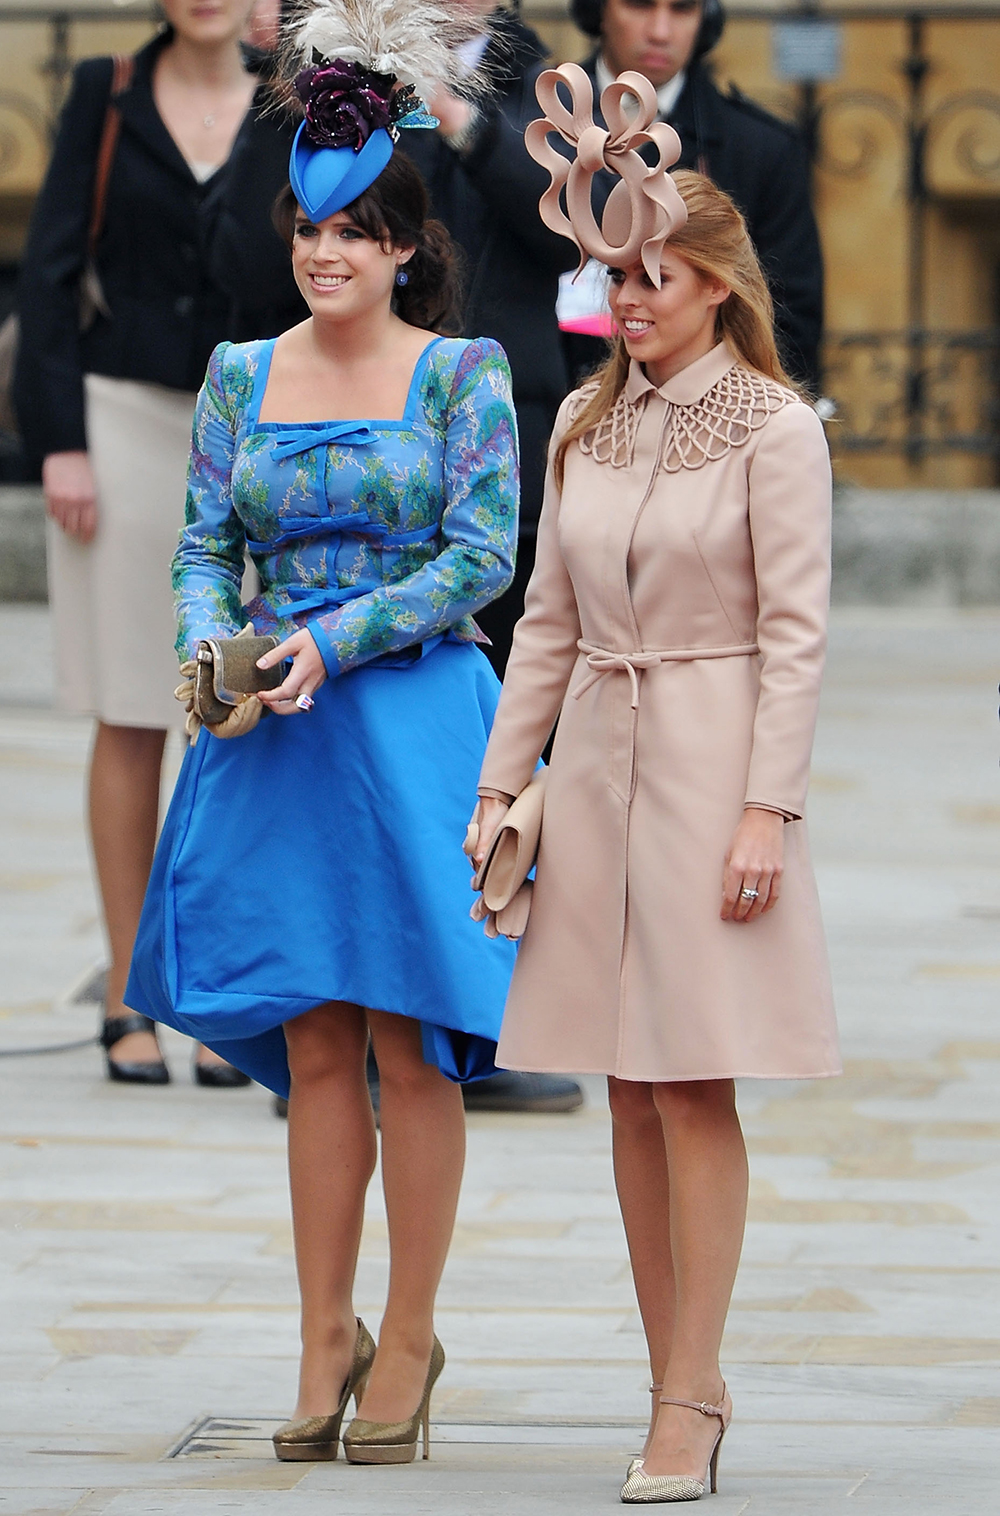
x=227, y=672
x=502, y=881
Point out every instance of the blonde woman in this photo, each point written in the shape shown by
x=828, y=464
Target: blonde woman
x=675, y=626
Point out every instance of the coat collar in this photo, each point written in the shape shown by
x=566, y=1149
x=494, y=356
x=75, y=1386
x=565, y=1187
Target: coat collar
x=139, y=113
x=690, y=385
x=696, y=112
x=513, y=49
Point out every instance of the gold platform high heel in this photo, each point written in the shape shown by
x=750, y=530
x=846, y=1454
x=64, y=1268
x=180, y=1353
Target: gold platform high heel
x=315, y=1439
x=648, y=1489
x=395, y=1441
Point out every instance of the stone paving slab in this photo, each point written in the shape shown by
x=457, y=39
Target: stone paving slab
x=146, y=1278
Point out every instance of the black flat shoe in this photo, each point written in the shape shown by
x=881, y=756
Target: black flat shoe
x=522, y=1092
x=218, y=1076
x=112, y=1032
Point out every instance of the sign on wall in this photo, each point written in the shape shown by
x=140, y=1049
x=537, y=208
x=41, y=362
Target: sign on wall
x=807, y=51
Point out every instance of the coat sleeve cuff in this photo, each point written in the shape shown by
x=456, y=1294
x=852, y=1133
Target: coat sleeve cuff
x=330, y=660
x=761, y=803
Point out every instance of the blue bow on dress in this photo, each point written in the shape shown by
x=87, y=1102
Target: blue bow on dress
x=321, y=435
x=349, y=524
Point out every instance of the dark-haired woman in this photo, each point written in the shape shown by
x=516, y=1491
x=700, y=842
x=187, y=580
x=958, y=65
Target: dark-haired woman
x=310, y=890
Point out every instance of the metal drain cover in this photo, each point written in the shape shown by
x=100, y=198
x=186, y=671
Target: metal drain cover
x=227, y=1437
x=250, y=1438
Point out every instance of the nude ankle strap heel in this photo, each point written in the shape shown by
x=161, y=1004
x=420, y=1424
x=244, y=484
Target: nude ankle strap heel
x=647, y=1489
x=654, y=1389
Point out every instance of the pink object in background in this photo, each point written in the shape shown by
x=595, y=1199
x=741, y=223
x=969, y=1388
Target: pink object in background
x=600, y=325
x=582, y=304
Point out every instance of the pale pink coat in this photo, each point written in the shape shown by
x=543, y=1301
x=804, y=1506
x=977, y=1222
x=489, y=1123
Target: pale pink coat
x=693, y=529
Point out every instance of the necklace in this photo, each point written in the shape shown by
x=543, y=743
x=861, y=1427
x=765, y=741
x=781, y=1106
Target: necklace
x=208, y=121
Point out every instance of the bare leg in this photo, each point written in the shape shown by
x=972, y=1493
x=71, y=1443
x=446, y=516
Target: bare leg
x=124, y=809
x=641, y=1178
x=706, y=1159
x=331, y=1158
x=423, y=1154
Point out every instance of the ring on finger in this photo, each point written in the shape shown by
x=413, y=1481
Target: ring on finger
x=749, y=894
x=304, y=702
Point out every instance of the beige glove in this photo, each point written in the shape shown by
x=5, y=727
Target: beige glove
x=185, y=694
x=511, y=921
x=243, y=717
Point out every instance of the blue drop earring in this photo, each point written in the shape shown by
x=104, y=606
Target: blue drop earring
x=402, y=277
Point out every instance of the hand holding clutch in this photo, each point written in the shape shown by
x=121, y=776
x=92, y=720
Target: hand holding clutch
x=220, y=685
x=502, y=879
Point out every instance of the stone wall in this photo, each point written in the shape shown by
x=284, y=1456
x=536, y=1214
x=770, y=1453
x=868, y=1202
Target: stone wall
x=22, y=543
x=916, y=547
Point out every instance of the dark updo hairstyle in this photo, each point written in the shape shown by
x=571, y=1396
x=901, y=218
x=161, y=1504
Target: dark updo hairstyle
x=394, y=212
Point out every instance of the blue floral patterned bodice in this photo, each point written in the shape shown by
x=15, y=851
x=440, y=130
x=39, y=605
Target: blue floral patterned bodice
x=379, y=536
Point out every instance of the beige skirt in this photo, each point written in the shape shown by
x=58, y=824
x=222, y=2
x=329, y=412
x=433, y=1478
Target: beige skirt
x=111, y=599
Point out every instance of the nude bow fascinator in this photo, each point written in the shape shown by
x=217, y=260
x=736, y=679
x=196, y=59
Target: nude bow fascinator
x=646, y=207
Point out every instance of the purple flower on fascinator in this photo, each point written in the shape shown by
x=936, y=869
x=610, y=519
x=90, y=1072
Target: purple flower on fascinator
x=344, y=103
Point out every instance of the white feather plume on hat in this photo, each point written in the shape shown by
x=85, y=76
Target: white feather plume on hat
x=414, y=39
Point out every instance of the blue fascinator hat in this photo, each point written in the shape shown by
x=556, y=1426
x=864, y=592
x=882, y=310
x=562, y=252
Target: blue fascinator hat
x=351, y=121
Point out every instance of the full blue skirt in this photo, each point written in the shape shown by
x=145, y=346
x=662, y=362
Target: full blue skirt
x=320, y=858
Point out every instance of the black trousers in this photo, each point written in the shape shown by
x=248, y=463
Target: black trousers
x=499, y=618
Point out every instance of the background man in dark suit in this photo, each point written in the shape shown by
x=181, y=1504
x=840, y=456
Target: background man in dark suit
x=485, y=188
x=753, y=156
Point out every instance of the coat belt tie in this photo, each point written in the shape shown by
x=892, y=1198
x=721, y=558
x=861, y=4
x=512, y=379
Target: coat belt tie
x=602, y=661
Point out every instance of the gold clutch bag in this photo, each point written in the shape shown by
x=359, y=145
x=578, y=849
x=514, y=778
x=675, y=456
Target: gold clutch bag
x=227, y=672
x=502, y=880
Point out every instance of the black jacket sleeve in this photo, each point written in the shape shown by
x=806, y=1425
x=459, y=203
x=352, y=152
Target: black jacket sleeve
x=248, y=258
x=784, y=230
x=48, y=379
x=511, y=183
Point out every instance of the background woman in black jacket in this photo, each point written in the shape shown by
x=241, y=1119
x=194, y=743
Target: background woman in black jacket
x=107, y=412
x=485, y=187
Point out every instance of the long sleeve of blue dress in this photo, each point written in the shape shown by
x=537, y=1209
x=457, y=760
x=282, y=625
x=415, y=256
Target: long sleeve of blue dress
x=376, y=538
x=208, y=565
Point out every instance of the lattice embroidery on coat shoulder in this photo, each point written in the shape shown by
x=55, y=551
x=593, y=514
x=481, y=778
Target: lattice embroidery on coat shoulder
x=725, y=418
x=612, y=440
x=579, y=399
x=697, y=434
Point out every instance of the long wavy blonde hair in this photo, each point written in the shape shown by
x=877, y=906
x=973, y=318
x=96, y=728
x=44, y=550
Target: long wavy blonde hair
x=716, y=243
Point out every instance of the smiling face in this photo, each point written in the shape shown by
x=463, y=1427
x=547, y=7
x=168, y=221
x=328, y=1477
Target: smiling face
x=665, y=329
x=208, y=21
x=654, y=37
x=343, y=273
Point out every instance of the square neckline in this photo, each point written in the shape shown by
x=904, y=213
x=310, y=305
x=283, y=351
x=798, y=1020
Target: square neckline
x=403, y=424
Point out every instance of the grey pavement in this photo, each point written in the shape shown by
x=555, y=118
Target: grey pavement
x=147, y=1292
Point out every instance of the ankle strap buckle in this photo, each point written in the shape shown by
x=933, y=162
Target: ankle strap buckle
x=696, y=1405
